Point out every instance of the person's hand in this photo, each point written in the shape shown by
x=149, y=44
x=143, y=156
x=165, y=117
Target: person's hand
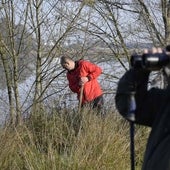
x=153, y=50
x=83, y=80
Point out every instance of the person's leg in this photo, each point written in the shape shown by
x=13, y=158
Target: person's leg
x=98, y=103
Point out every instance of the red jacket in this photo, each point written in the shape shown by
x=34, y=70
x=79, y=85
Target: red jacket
x=92, y=88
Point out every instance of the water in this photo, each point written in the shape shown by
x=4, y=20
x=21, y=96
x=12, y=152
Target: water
x=58, y=94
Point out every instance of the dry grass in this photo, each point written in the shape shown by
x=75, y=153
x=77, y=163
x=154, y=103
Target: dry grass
x=68, y=141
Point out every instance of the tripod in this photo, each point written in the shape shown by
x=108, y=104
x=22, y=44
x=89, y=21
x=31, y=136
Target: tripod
x=131, y=118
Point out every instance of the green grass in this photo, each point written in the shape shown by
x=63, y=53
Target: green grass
x=70, y=141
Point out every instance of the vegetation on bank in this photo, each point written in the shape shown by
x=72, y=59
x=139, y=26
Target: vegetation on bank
x=67, y=140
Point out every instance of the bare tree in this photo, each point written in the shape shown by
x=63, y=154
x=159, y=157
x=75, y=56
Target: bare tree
x=37, y=32
x=36, y=19
x=10, y=62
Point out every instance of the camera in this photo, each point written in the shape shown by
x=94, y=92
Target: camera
x=154, y=61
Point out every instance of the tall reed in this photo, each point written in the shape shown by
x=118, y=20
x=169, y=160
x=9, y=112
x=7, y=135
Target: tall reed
x=68, y=140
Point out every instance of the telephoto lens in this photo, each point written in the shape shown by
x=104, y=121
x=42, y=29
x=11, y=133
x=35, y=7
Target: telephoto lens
x=150, y=61
x=155, y=61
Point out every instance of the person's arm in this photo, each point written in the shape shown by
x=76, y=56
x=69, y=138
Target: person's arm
x=136, y=81
x=73, y=83
x=89, y=70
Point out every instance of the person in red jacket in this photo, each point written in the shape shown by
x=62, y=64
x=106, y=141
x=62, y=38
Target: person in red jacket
x=84, y=74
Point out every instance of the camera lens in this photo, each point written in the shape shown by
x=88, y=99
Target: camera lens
x=150, y=61
x=155, y=61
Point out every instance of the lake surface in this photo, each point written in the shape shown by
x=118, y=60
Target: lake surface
x=59, y=95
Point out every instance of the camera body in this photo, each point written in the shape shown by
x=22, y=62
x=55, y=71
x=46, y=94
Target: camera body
x=153, y=62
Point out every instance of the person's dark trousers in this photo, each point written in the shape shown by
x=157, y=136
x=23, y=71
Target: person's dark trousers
x=98, y=104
